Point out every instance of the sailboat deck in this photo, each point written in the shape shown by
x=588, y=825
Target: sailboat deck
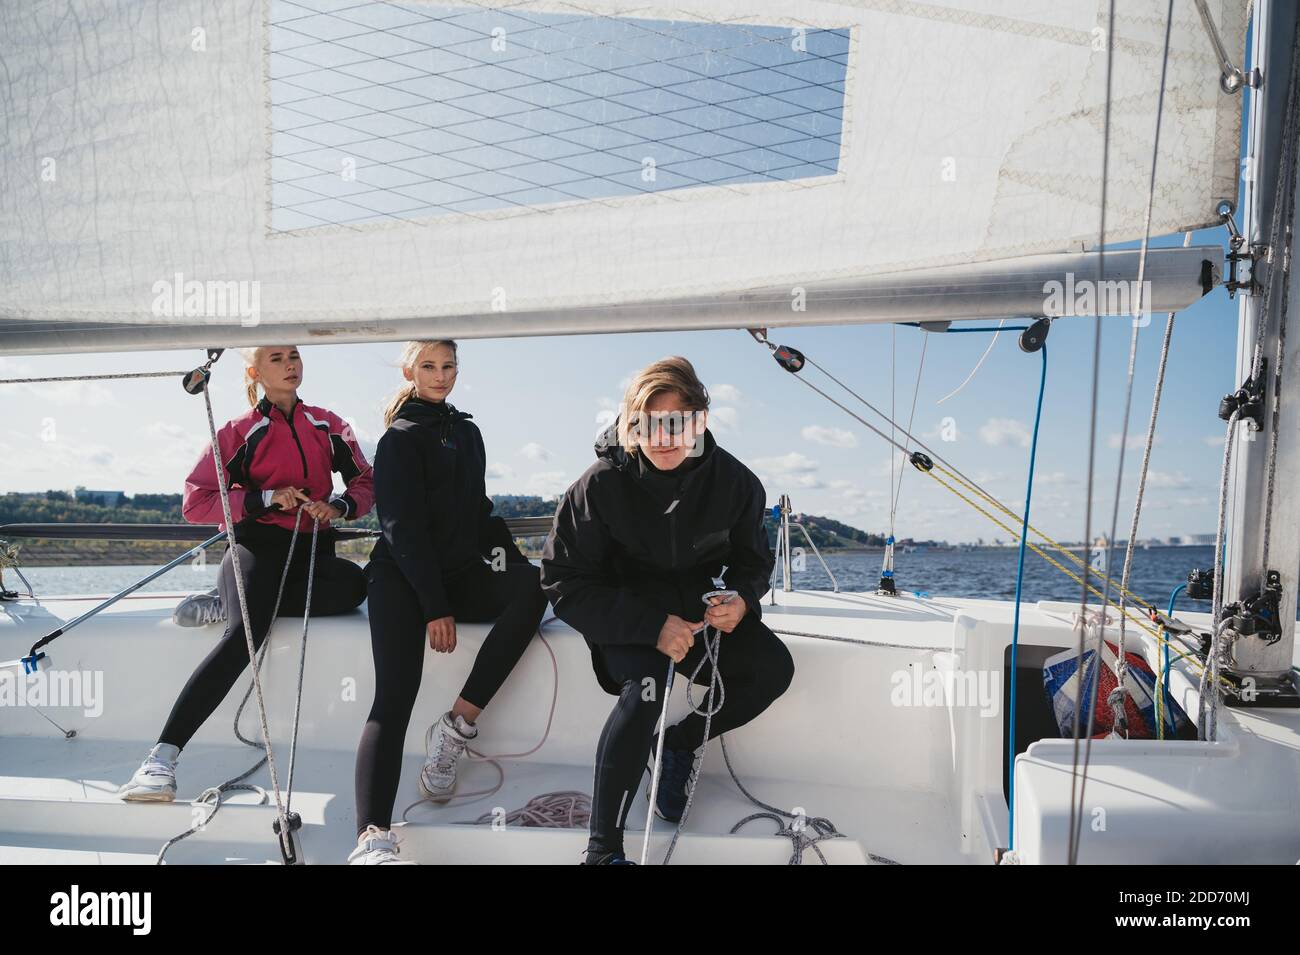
x=902, y=778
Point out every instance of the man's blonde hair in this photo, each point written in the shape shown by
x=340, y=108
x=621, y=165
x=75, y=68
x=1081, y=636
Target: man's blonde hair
x=674, y=374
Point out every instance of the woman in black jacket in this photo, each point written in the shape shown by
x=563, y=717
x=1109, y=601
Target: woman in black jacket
x=637, y=541
x=443, y=557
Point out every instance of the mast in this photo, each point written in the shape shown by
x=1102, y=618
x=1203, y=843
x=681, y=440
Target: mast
x=1261, y=665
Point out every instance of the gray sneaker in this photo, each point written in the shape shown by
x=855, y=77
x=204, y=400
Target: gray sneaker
x=155, y=780
x=199, y=610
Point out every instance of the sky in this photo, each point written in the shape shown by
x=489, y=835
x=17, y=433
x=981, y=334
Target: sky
x=540, y=402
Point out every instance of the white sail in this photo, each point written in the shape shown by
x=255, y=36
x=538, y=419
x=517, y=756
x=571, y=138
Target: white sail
x=280, y=162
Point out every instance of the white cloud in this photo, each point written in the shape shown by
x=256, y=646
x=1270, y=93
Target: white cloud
x=1136, y=442
x=1055, y=477
x=499, y=472
x=999, y=432
x=722, y=419
x=1213, y=441
x=792, y=463
x=834, y=437
x=1165, y=479
x=728, y=393
x=535, y=452
x=166, y=430
x=71, y=393
x=548, y=483
x=788, y=471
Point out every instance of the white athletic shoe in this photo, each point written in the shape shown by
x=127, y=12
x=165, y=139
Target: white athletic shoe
x=444, y=743
x=155, y=780
x=199, y=610
x=377, y=846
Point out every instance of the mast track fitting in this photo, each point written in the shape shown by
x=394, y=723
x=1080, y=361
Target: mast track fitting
x=1235, y=256
x=1248, y=400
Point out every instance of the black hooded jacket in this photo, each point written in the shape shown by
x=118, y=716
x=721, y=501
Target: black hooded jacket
x=632, y=544
x=431, y=499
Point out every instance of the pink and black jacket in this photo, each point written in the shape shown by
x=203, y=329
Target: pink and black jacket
x=264, y=451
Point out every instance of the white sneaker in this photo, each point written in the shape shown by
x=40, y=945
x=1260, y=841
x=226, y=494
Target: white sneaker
x=376, y=846
x=444, y=743
x=199, y=610
x=155, y=780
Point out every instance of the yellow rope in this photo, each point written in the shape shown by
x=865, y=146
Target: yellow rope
x=1060, y=548
x=1139, y=621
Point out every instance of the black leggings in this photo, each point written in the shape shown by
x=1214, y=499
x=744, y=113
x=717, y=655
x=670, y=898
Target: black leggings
x=756, y=669
x=339, y=586
x=513, y=597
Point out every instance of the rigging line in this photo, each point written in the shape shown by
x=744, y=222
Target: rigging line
x=1053, y=544
x=119, y=377
x=1284, y=187
x=1121, y=666
x=979, y=364
x=1015, y=625
x=280, y=812
x=907, y=434
x=1282, y=212
x=893, y=363
x=1037, y=550
x=950, y=470
x=1216, y=600
x=911, y=417
x=1076, y=800
x=893, y=393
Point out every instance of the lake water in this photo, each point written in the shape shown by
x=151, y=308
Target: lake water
x=989, y=573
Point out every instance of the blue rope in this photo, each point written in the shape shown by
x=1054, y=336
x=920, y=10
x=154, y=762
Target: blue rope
x=990, y=328
x=1015, y=627
x=1164, y=683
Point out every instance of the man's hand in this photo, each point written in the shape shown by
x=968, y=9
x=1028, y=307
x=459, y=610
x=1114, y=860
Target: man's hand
x=442, y=634
x=726, y=613
x=676, y=637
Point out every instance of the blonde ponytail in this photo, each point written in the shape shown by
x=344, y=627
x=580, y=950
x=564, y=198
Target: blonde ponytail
x=410, y=355
x=395, y=403
x=250, y=383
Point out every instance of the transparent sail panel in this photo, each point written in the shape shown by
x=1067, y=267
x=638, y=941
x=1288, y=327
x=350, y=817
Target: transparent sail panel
x=412, y=111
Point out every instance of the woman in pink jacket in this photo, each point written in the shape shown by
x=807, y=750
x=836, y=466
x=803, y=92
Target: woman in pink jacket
x=278, y=458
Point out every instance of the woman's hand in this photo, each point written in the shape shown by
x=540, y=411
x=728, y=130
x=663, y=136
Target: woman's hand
x=323, y=510
x=676, y=637
x=288, y=498
x=442, y=634
x=725, y=614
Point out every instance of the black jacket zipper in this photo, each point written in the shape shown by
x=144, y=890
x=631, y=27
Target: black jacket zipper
x=294, y=431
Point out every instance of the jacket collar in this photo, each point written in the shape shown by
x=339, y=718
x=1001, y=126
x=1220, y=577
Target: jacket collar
x=265, y=407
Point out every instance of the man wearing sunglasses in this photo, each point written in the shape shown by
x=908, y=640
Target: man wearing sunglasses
x=637, y=541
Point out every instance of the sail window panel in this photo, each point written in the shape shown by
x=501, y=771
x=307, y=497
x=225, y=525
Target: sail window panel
x=588, y=106
x=605, y=138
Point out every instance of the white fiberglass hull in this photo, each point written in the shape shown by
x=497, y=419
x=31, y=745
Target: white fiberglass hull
x=905, y=771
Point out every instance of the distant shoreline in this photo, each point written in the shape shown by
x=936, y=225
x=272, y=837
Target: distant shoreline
x=83, y=553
